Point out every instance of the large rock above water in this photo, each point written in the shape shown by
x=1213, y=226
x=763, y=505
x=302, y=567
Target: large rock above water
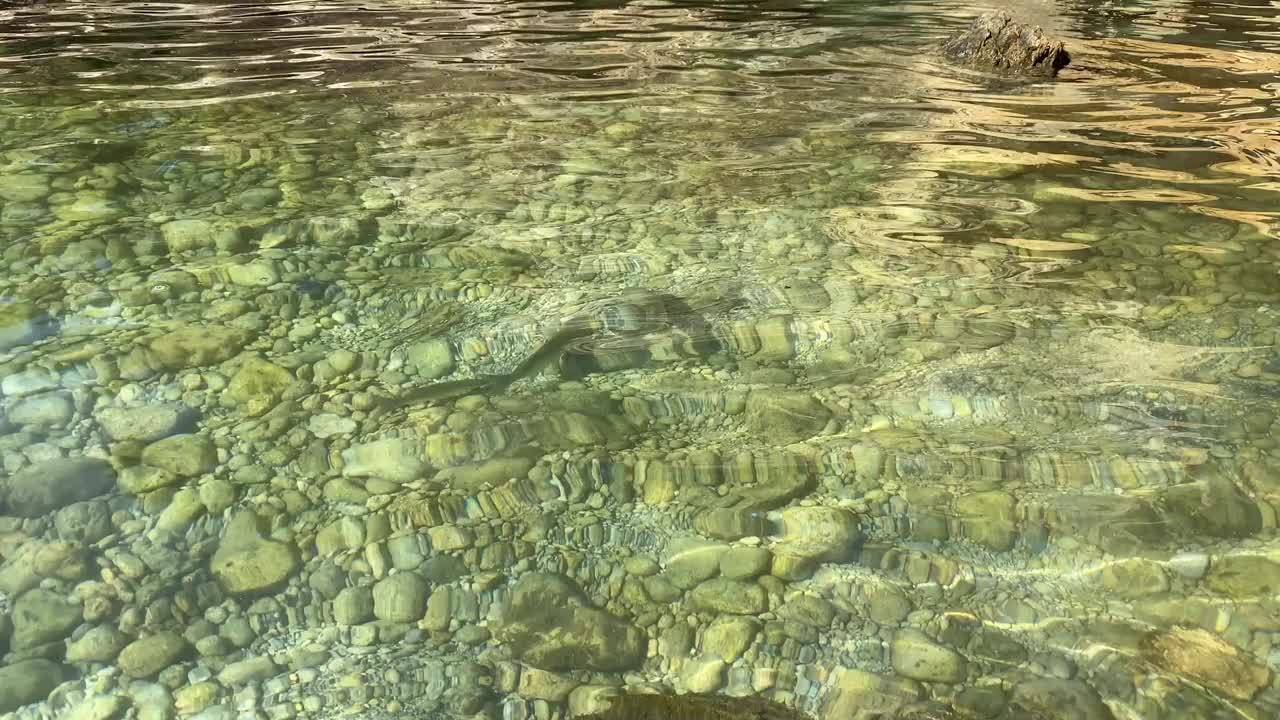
x=549, y=624
x=996, y=41
x=47, y=486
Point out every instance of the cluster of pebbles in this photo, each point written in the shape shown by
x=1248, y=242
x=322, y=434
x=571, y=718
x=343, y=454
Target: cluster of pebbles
x=1018, y=468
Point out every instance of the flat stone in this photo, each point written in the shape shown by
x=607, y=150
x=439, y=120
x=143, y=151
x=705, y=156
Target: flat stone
x=101, y=644
x=728, y=637
x=549, y=624
x=473, y=477
x=257, y=386
x=41, y=616
x=1241, y=577
x=431, y=359
x=887, y=605
x=402, y=597
x=147, y=656
x=141, y=479
x=1134, y=577
x=916, y=656
x=85, y=522
x=29, y=681
x=183, y=510
x=48, y=410
x=327, y=425
x=245, y=563
x=397, y=460
x=145, y=424
x=197, y=346
x=1208, y=659
x=185, y=455
x=1066, y=699
x=785, y=418
x=96, y=707
x=539, y=684
x=689, y=561
x=744, y=563
x=22, y=324
x=251, y=669
x=859, y=694
x=44, y=487
x=1213, y=507
x=721, y=595
x=813, y=535
x=988, y=519
x=703, y=674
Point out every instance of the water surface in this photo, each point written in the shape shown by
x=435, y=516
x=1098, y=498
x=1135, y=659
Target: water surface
x=861, y=383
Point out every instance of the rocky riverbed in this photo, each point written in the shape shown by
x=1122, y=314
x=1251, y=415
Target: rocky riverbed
x=953, y=435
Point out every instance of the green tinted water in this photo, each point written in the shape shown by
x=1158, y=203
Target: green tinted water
x=846, y=379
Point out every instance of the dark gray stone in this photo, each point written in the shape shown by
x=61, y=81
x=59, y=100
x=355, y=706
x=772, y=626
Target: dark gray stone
x=53, y=484
x=995, y=41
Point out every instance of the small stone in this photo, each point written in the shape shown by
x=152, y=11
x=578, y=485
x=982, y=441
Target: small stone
x=1134, y=577
x=185, y=455
x=141, y=479
x=400, y=598
x=703, y=674
x=197, y=346
x=147, y=656
x=397, y=460
x=28, y=382
x=785, y=418
x=100, y=644
x=1189, y=565
x=431, y=359
x=735, y=597
x=257, y=386
x=327, y=425
x=744, y=563
x=96, y=707
x=145, y=424
x=85, y=522
x=539, y=684
x=195, y=698
x=217, y=495
x=257, y=273
x=728, y=637
x=917, y=657
x=243, y=672
x=689, y=561
x=46, y=486
x=988, y=519
x=887, y=605
x=183, y=509
x=473, y=477
x=353, y=606
x=813, y=535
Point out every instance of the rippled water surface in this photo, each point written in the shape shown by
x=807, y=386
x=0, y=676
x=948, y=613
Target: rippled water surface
x=414, y=359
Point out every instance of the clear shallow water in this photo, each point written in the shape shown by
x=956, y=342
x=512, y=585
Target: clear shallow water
x=878, y=386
